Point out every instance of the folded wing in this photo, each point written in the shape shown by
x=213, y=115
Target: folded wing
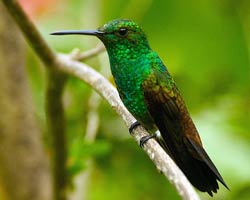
x=179, y=135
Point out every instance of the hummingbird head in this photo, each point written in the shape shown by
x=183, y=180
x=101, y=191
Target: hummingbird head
x=117, y=33
x=122, y=32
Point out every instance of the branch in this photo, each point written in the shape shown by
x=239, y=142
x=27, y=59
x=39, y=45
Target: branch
x=76, y=55
x=82, y=180
x=24, y=166
x=65, y=64
x=162, y=161
x=56, y=128
x=30, y=32
x=54, y=106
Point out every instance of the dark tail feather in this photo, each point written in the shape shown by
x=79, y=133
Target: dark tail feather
x=201, y=172
x=206, y=161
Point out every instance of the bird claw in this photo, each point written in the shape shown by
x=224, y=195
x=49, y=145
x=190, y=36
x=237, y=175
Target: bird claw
x=144, y=139
x=133, y=126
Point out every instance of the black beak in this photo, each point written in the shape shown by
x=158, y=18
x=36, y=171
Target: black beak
x=78, y=32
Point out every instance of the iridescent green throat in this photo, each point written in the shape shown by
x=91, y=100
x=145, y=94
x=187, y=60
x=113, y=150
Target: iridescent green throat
x=130, y=65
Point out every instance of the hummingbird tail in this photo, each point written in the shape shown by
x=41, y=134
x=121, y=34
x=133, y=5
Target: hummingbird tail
x=203, y=167
x=200, y=171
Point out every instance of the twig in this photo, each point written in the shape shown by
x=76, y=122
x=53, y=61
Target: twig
x=56, y=128
x=63, y=63
x=76, y=55
x=82, y=179
x=92, y=118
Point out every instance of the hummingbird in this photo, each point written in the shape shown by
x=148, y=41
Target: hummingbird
x=149, y=92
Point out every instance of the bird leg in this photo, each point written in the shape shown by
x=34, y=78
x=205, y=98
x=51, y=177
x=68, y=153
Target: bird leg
x=144, y=139
x=133, y=126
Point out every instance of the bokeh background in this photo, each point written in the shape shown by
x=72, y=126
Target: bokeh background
x=206, y=47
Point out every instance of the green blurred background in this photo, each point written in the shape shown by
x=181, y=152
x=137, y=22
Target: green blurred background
x=206, y=47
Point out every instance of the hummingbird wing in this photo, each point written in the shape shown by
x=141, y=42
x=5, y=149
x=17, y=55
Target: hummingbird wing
x=179, y=136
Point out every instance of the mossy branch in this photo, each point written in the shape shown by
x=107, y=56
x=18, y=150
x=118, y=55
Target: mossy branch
x=67, y=65
x=54, y=106
x=56, y=126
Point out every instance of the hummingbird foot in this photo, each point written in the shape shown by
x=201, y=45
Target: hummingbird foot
x=144, y=139
x=133, y=126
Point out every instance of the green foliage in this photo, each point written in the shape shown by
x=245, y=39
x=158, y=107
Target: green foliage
x=80, y=151
x=128, y=173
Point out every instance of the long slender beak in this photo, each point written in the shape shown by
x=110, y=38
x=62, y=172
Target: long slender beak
x=78, y=32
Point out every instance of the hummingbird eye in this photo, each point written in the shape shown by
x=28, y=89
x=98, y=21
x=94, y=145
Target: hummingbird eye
x=123, y=31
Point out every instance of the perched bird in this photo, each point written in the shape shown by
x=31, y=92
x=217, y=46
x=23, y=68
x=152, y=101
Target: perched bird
x=149, y=92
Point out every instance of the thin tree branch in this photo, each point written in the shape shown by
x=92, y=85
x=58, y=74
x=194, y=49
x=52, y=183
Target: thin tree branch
x=30, y=32
x=65, y=64
x=54, y=106
x=77, y=55
x=82, y=180
x=56, y=128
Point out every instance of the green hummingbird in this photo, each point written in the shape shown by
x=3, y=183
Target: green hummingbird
x=150, y=94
